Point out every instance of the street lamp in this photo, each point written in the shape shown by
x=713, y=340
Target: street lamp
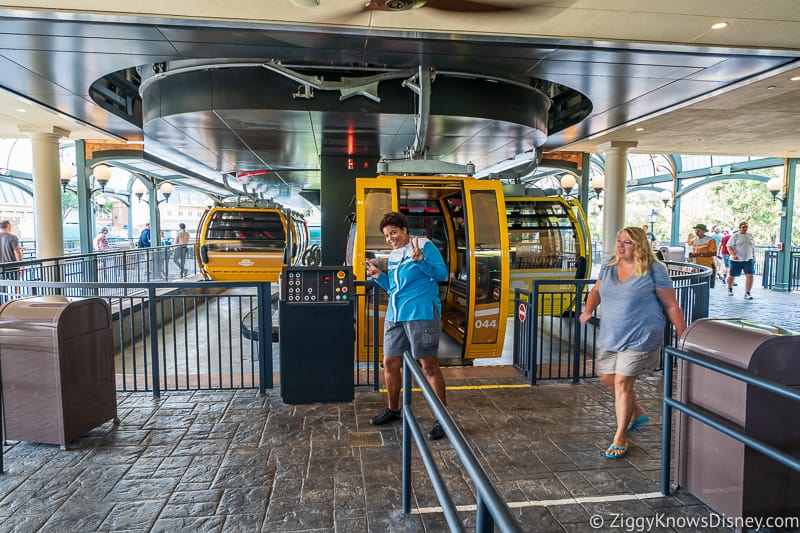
x=138, y=188
x=102, y=175
x=166, y=188
x=67, y=172
x=568, y=183
x=666, y=197
x=652, y=218
x=597, y=183
x=775, y=186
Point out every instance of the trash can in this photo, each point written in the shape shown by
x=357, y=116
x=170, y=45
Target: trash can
x=673, y=253
x=57, y=368
x=722, y=472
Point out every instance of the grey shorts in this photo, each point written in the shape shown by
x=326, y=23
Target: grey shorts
x=626, y=362
x=420, y=337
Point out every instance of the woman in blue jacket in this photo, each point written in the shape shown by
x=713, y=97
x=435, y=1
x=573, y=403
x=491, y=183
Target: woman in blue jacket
x=413, y=317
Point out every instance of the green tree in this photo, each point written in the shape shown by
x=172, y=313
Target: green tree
x=69, y=202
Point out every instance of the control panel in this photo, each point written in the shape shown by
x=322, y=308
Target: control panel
x=317, y=285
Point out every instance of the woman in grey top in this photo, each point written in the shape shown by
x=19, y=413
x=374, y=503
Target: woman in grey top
x=638, y=297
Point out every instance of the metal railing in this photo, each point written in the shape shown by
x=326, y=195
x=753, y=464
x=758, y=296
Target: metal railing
x=491, y=508
x=123, y=266
x=187, y=335
x=769, y=269
x=551, y=343
x=717, y=423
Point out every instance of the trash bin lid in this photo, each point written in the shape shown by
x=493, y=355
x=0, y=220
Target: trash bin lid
x=765, y=350
x=40, y=315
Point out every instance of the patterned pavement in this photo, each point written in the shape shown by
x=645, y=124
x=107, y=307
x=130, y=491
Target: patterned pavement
x=235, y=461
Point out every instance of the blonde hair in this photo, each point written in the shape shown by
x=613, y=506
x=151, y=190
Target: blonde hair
x=643, y=256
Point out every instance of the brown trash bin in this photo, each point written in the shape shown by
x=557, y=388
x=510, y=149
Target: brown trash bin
x=57, y=368
x=722, y=472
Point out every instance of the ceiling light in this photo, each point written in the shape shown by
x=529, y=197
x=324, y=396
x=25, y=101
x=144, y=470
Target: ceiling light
x=719, y=25
x=304, y=3
x=770, y=87
x=639, y=129
x=794, y=78
x=20, y=110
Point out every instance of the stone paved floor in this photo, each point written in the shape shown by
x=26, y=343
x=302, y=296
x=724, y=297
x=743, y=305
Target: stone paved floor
x=236, y=461
x=770, y=307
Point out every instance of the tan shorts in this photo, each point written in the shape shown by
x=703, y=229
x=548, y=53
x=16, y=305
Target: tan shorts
x=626, y=362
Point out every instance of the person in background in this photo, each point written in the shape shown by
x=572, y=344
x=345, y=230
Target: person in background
x=703, y=250
x=650, y=235
x=725, y=257
x=181, y=241
x=101, y=243
x=716, y=234
x=741, y=247
x=144, y=237
x=10, y=250
x=413, y=317
x=635, y=297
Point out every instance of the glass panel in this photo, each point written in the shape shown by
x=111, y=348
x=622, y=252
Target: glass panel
x=540, y=236
x=425, y=219
x=377, y=202
x=488, y=258
x=246, y=231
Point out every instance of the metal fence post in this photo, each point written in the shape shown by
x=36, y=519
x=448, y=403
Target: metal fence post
x=576, y=324
x=151, y=308
x=264, y=298
x=532, y=330
x=406, y=474
x=666, y=420
x=375, y=333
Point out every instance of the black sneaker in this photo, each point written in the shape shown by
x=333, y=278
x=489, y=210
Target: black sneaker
x=384, y=417
x=730, y=292
x=747, y=296
x=436, y=432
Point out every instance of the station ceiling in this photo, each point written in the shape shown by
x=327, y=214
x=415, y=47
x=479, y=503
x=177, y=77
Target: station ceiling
x=644, y=71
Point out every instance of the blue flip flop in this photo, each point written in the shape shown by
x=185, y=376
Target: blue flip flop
x=622, y=451
x=641, y=421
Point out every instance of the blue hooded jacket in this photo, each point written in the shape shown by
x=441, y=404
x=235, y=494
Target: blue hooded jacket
x=413, y=286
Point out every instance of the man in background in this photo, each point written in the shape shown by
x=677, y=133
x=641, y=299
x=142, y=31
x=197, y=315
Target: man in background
x=10, y=250
x=181, y=240
x=144, y=237
x=741, y=247
x=703, y=250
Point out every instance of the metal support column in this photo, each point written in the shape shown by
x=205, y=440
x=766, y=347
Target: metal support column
x=783, y=270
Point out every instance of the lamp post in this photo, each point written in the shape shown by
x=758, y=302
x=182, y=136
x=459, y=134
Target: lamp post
x=138, y=189
x=652, y=217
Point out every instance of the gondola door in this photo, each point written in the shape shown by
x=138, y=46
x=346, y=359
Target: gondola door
x=374, y=198
x=487, y=246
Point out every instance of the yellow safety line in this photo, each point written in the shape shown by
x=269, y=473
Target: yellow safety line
x=479, y=387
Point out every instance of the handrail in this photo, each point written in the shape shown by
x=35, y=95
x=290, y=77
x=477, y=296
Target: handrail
x=732, y=372
x=491, y=508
